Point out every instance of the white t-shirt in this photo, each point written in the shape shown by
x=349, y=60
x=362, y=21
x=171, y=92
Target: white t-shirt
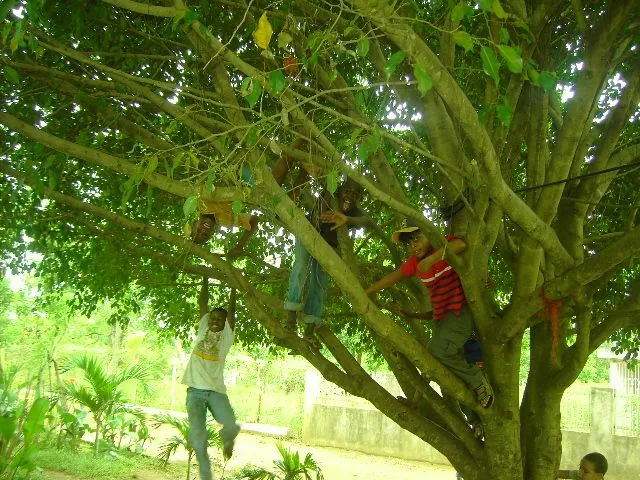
x=205, y=369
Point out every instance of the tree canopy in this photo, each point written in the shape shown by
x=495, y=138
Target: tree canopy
x=120, y=118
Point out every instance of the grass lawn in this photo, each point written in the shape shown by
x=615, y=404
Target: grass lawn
x=81, y=464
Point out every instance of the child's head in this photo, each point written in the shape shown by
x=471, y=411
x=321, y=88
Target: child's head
x=410, y=235
x=217, y=319
x=349, y=195
x=593, y=466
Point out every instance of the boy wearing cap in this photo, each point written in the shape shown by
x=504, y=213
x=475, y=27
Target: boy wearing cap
x=453, y=320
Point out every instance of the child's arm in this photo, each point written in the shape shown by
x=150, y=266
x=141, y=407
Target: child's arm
x=454, y=246
x=203, y=299
x=231, y=314
x=386, y=282
x=339, y=219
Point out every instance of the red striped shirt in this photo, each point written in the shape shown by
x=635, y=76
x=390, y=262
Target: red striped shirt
x=443, y=283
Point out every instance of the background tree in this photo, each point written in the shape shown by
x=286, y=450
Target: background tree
x=120, y=118
x=101, y=391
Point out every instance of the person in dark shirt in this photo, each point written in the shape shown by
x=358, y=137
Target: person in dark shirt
x=306, y=269
x=453, y=320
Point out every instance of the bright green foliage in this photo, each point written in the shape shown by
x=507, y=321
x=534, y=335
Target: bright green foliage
x=100, y=391
x=181, y=439
x=21, y=423
x=289, y=467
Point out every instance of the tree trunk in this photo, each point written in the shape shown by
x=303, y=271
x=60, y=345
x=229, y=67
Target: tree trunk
x=97, y=437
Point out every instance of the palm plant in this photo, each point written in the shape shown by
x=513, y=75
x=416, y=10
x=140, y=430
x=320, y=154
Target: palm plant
x=101, y=391
x=289, y=467
x=169, y=447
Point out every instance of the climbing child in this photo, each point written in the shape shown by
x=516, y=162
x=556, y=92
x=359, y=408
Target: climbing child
x=453, y=321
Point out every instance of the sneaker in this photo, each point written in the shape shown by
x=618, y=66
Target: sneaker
x=227, y=450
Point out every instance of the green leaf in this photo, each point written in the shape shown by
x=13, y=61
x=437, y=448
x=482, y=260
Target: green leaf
x=463, y=39
x=490, y=63
x=360, y=101
x=34, y=423
x=512, y=57
x=190, y=206
x=208, y=185
x=38, y=149
x=11, y=75
x=177, y=17
x=534, y=76
x=498, y=10
x=277, y=81
x=254, y=94
x=315, y=40
x=191, y=17
x=504, y=35
x=548, y=80
x=393, y=62
x=7, y=428
x=362, y=48
x=6, y=7
x=284, y=39
x=503, y=110
x=332, y=181
x=425, y=82
x=236, y=207
x=152, y=164
x=252, y=137
x=461, y=10
x=313, y=59
x=493, y=6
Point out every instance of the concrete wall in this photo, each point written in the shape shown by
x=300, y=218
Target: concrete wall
x=369, y=431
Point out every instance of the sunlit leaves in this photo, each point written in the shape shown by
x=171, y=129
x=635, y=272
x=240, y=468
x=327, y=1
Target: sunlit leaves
x=425, y=82
x=393, y=62
x=490, y=63
x=262, y=34
x=512, y=58
x=463, y=39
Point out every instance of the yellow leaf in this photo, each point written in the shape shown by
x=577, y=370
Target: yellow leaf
x=263, y=33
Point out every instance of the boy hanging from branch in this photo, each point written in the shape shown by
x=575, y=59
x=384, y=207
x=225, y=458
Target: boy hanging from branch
x=204, y=377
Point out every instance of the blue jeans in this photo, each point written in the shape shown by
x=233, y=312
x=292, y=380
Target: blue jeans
x=305, y=267
x=198, y=402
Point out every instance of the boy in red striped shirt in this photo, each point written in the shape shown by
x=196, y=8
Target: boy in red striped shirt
x=453, y=320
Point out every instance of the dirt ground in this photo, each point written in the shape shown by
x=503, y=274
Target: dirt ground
x=336, y=464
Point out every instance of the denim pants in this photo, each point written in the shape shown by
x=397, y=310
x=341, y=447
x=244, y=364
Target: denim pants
x=306, y=268
x=198, y=402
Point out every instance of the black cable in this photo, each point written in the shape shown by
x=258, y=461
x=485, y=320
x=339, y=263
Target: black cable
x=557, y=182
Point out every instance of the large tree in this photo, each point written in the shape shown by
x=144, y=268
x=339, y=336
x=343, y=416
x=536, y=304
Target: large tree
x=119, y=117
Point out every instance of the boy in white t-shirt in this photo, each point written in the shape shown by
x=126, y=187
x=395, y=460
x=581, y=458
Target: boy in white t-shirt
x=205, y=380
